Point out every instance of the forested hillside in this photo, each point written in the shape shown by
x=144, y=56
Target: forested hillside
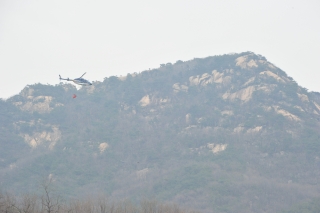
x=230, y=133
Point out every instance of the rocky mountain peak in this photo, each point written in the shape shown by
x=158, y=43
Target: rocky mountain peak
x=224, y=133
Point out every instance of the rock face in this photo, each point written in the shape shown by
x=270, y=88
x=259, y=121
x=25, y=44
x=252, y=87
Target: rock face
x=40, y=104
x=206, y=78
x=145, y=101
x=47, y=138
x=244, y=62
x=273, y=75
x=216, y=148
x=244, y=94
x=103, y=147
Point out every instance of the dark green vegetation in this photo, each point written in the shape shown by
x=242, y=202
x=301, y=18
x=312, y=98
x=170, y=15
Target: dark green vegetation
x=229, y=133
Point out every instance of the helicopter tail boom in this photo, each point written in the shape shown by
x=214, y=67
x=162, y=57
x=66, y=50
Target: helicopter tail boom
x=66, y=79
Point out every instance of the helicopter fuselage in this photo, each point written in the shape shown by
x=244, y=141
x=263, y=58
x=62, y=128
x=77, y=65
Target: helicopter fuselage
x=80, y=81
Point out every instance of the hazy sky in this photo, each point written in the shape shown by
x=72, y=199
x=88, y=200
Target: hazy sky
x=41, y=39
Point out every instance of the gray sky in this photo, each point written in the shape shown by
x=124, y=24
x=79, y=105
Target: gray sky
x=41, y=39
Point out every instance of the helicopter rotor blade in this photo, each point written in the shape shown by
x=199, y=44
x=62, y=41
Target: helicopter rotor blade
x=83, y=75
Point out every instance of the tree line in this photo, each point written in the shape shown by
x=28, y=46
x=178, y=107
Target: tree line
x=49, y=202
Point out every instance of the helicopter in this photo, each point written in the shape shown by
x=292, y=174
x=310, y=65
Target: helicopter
x=80, y=81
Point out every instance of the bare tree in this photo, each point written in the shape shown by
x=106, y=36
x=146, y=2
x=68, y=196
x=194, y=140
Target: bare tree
x=8, y=203
x=29, y=204
x=50, y=203
x=103, y=204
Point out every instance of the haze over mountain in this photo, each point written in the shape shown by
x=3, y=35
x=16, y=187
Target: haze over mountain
x=230, y=133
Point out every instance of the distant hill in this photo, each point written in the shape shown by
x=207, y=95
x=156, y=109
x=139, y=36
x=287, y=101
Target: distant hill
x=229, y=133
